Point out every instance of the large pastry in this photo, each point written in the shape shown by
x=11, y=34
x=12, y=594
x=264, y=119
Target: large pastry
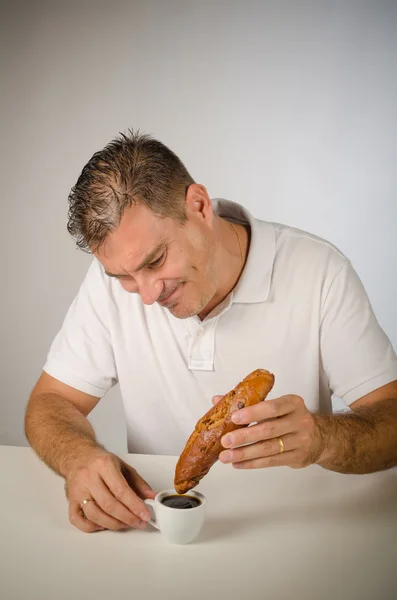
x=204, y=445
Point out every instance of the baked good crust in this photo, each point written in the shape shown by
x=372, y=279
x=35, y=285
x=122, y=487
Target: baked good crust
x=204, y=445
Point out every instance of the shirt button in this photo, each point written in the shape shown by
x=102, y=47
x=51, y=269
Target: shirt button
x=200, y=331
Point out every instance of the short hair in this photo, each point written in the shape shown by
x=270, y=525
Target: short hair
x=133, y=168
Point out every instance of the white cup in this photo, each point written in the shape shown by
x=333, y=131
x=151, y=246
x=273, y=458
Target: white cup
x=177, y=525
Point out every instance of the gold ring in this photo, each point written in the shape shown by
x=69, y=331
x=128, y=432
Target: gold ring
x=83, y=502
x=280, y=445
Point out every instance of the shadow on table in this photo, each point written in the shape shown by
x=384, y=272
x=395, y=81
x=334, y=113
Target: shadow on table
x=218, y=528
x=377, y=501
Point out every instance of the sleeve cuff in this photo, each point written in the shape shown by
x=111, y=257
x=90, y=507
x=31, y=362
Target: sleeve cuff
x=370, y=385
x=68, y=377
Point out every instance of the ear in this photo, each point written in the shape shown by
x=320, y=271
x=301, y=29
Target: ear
x=198, y=203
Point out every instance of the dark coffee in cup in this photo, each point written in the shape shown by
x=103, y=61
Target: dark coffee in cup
x=181, y=501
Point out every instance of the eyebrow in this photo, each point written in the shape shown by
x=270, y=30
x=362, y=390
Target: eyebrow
x=149, y=258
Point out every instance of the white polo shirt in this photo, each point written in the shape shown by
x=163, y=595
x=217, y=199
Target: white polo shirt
x=299, y=310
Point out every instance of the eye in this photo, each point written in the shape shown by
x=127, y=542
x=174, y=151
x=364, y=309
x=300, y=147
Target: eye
x=159, y=261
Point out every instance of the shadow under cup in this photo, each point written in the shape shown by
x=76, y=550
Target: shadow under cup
x=178, y=517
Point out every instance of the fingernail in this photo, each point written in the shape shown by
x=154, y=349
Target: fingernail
x=227, y=441
x=144, y=516
x=141, y=524
x=236, y=417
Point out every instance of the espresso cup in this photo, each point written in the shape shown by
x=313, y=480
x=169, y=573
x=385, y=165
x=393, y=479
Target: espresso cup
x=178, y=524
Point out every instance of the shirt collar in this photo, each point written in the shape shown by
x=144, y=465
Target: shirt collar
x=254, y=283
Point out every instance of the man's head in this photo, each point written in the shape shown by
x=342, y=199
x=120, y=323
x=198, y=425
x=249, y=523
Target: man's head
x=137, y=209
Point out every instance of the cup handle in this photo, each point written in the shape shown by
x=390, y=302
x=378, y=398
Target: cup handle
x=152, y=508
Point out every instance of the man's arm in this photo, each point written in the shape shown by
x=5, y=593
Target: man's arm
x=364, y=440
x=59, y=432
x=56, y=424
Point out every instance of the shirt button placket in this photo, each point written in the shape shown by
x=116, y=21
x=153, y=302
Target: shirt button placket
x=201, y=341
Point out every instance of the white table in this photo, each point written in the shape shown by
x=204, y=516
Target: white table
x=270, y=534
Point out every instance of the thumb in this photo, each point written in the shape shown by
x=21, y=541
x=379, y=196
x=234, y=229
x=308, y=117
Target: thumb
x=216, y=399
x=137, y=483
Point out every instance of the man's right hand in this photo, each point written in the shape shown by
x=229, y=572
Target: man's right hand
x=115, y=492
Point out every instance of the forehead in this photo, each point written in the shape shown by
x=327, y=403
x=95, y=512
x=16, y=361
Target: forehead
x=138, y=233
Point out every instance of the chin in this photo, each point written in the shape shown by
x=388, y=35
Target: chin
x=189, y=304
x=182, y=312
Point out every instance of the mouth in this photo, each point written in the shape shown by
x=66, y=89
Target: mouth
x=168, y=300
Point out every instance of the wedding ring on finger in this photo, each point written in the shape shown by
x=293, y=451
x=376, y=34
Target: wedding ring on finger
x=280, y=445
x=85, y=501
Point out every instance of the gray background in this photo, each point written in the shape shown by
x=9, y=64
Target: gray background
x=288, y=107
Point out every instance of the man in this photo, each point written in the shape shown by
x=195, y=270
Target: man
x=183, y=299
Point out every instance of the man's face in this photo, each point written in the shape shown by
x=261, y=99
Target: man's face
x=163, y=260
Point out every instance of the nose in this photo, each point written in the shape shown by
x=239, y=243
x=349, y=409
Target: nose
x=129, y=285
x=149, y=289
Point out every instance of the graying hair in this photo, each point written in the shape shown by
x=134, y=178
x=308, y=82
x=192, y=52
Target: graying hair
x=130, y=169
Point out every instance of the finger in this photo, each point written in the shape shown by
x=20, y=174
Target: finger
x=216, y=399
x=261, y=449
x=265, y=430
x=137, y=483
x=279, y=460
x=108, y=504
x=119, y=488
x=77, y=518
x=96, y=514
x=266, y=410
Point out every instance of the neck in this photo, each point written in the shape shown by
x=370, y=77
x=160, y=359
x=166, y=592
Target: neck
x=232, y=257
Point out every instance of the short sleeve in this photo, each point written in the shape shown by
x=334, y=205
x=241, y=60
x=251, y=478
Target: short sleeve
x=81, y=354
x=356, y=354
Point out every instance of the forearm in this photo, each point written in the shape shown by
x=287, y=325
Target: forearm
x=58, y=432
x=362, y=441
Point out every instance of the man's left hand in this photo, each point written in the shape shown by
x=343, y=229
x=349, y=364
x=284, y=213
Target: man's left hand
x=285, y=433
